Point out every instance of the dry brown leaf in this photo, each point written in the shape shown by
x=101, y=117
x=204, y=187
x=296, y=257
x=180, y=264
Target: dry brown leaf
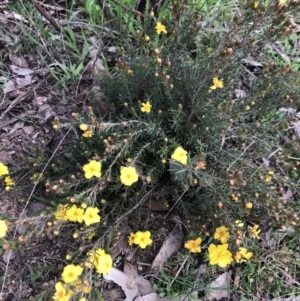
x=18, y=60
x=18, y=125
x=28, y=129
x=39, y=100
x=20, y=71
x=219, y=288
x=135, y=280
x=131, y=274
x=121, y=279
x=45, y=111
x=6, y=158
x=171, y=245
x=18, y=83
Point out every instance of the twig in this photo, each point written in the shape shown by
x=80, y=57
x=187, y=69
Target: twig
x=46, y=15
x=239, y=156
x=179, y=270
x=108, y=14
x=176, y=202
x=27, y=202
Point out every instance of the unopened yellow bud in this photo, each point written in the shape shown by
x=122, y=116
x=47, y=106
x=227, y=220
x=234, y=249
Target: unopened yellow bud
x=68, y=257
x=248, y=205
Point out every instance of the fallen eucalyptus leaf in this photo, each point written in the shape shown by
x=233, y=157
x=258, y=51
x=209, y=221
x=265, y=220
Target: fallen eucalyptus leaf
x=121, y=279
x=171, y=245
x=219, y=288
x=135, y=280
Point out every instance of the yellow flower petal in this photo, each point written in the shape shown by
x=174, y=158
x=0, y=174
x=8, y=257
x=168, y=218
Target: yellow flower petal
x=160, y=28
x=180, y=155
x=146, y=107
x=128, y=175
x=92, y=169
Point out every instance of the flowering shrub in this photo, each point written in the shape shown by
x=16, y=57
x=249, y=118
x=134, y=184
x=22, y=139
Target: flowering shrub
x=189, y=124
x=202, y=138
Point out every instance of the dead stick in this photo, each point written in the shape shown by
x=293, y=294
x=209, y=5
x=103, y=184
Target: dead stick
x=108, y=14
x=46, y=15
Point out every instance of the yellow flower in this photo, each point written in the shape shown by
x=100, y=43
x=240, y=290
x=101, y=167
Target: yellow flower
x=91, y=216
x=239, y=223
x=160, y=28
x=82, y=299
x=88, y=134
x=75, y=214
x=142, y=239
x=255, y=231
x=242, y=255
x=93, y=168
x=147, y=38
x=104, y=264
x=61, y=294
x=180, y=155
x=247, y=255
x=8, y=181
x=83, y=127
x=3, y=170
x=128, y=175
x=62, y=212
x=194, y=245
x=71, y=273
x=256, y=4
x=268, y=179
x=238, y=257
x=3, y=228
x=100, y=260
x=93, y=256
x=219, y=255
x=216, y=83
x=222, y=234
x=130, y=72
x=131, y=238
x=146, y=107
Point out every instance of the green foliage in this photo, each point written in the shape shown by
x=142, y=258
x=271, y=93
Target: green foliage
x=209, y=96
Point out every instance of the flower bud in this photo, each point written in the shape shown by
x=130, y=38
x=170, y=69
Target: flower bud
x=248, y=205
